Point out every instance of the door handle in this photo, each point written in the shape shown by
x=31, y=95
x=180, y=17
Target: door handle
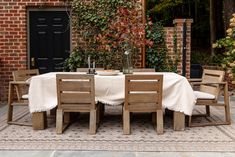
x=33, y=62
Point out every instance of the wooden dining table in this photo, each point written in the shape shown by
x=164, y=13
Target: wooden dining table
x=178, y=95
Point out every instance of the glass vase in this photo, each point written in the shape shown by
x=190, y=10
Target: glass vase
x=127, y=62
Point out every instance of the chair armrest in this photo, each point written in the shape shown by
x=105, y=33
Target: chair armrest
x=195, y=80
x=19, y=83
x=208, y=83
x=195, y=83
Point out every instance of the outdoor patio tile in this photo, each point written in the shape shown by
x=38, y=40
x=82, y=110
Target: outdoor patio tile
x=184, y=154
x=159, y=154
x=93, y=153
x=110, y=154
x=211, y=154
x=26, y=153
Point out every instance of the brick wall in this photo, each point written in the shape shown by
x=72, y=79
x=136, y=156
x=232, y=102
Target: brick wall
x=13, y=37
x=178, y=31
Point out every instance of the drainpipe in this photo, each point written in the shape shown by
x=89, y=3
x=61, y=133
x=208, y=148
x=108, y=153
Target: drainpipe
x=184, y=48
x=143, y=49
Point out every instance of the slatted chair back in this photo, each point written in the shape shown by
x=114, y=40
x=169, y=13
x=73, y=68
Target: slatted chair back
x=211, y=76
x=143, y=93
x=75, y=92
x=23, y=75
x=144, y=70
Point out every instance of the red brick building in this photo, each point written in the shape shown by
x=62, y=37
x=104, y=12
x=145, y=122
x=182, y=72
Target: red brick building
x=31, y=31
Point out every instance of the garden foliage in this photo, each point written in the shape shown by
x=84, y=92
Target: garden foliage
x=107, y=28
x=228, y=43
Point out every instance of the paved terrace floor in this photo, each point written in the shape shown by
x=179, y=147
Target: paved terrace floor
x=56, y=153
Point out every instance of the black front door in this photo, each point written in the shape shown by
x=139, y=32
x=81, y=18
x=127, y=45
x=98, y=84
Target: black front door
x=49, y=39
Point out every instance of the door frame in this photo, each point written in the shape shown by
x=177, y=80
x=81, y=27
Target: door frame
x=28, y=27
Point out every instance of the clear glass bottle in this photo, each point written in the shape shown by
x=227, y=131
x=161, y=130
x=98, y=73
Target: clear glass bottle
x=127, y=62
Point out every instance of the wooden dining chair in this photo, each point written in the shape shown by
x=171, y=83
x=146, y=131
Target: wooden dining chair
x=143, y=70
x=143, y=93
x=211, y=86
x=75, y=93
x=20, y=86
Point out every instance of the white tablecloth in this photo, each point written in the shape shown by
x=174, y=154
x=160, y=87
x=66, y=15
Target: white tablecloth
x=177, y=92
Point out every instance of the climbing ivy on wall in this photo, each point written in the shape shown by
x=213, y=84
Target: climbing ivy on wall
x=156, y=55
x=105, y=28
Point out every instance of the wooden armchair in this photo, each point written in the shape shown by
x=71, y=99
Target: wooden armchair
x=20, y=86
x=210, y=87
x=143, y=93
x=75, y=93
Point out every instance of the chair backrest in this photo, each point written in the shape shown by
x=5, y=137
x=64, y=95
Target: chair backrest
x=211, y=76
x=86, y=69
x=75, y=91
x=144, y=70
x=23, y=75
x=143, y=92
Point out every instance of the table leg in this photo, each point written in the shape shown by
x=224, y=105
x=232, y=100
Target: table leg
x=179, y=121
x=39, y=120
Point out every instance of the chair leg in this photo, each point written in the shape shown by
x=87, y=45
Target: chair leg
x=227, y=108
x=98, y=114
x=153, y=114
x=227, y=114
x=67, y=118
x=59, y=121
x=101, y=111
x=159, y=119
x=189, y=121
x=9, y=113
x=10, y=107
x=92, y=129
x=126, y=121
x=208, y=111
